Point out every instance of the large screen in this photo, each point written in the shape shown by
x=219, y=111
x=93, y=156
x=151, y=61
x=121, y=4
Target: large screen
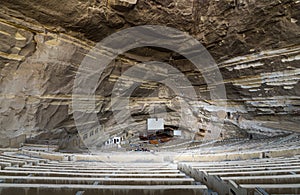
x=155, y=123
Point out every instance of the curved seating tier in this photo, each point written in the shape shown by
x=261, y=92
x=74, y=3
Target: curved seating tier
x=235, y=166
x=21, y=174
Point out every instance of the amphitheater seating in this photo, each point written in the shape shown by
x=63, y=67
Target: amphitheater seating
x=39, y=147
x=258, y=176
x=231, y=145
x=230, y=167
x=80, y=177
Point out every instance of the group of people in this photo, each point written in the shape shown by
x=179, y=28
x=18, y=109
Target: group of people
x=139, y=147
x=142, y=149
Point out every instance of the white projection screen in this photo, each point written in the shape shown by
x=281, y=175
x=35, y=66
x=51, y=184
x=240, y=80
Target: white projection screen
x=155, y=124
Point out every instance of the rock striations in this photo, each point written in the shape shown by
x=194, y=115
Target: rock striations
x=255, y=43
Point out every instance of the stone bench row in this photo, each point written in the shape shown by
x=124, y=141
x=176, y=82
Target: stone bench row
x=97, y=168
x=13, y=162
x=237, y=169
x=95, y=171
x=80, y=174
x=244, y=147
x=160, y=157
x=21, y=156
x=271, y=179
x=63, y=189
x=79, y=163
x=229, y=177
x=100, y=181
x=241, y=163
x=18, y=161
x=207, y=170
x=245, y=166
x=267, y=188
x=4, y=164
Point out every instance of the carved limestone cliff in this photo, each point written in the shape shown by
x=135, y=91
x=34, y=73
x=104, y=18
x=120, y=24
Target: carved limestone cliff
x=256, y=45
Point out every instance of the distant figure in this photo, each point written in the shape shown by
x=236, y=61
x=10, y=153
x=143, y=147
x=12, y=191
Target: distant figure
x=228, y=115
x=238, y=117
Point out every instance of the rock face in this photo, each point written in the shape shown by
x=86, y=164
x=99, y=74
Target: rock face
x=256, y=45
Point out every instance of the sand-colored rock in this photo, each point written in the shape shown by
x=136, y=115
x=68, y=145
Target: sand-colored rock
x=255, y=43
